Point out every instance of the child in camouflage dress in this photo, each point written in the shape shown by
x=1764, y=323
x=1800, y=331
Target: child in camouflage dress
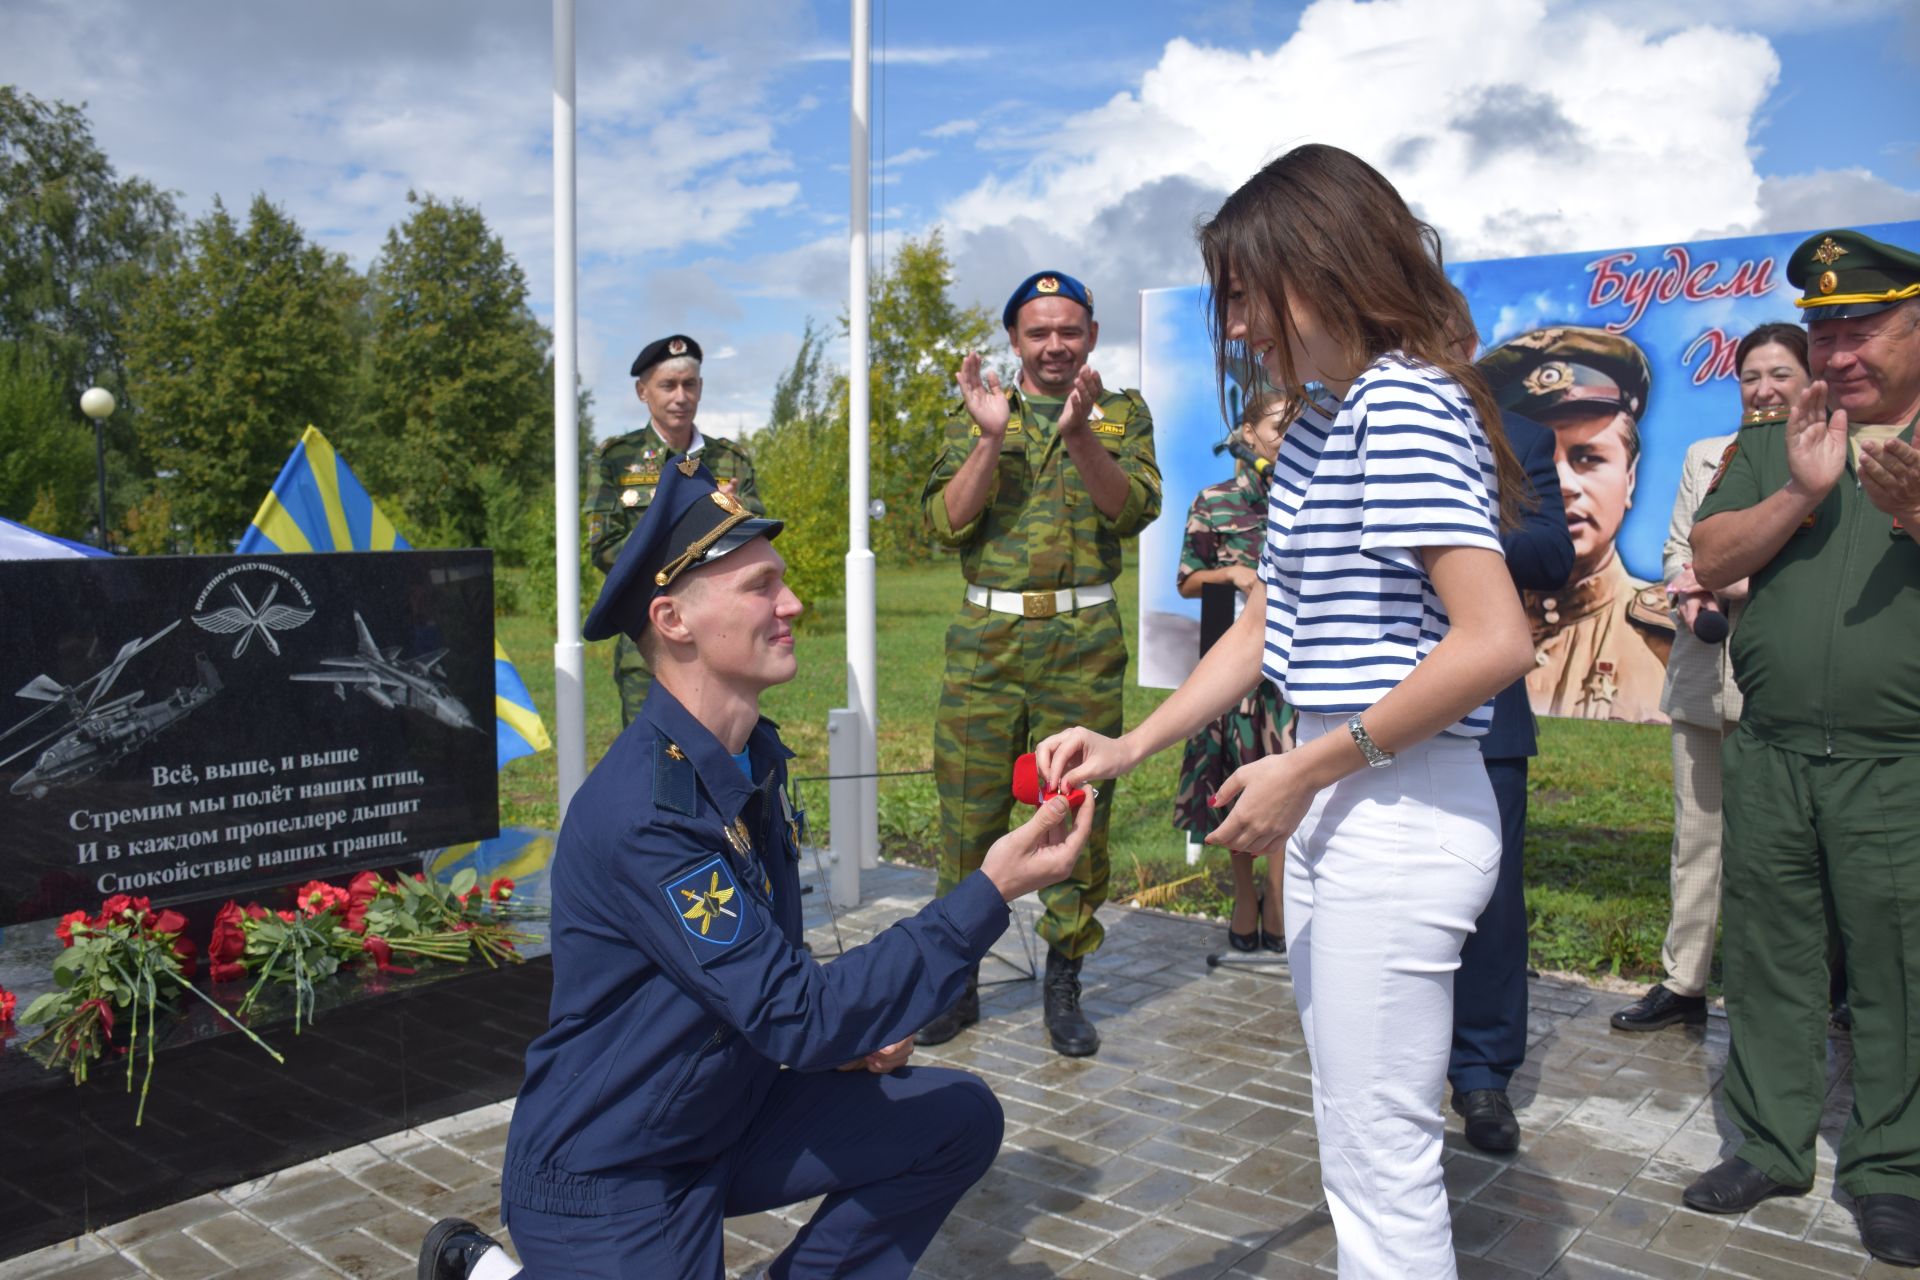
x=1225, y=529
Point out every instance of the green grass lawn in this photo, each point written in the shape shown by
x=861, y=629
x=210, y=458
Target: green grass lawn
x=1601, y=814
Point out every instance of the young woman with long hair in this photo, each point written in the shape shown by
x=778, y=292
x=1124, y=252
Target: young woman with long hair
x=1390, y=622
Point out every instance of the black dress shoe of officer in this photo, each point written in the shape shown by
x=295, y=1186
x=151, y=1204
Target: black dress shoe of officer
x=1734, y=1186
x=964, y=1013
x=1890, y=1227
x=452, y=1247
x=1070, y=1030
x=1660, y=1008
x=1491, y=1124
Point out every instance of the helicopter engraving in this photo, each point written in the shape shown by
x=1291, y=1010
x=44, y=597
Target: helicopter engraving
x=97, y=734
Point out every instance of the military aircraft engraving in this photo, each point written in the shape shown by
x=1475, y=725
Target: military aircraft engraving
x=391, y=682
x=96, y=734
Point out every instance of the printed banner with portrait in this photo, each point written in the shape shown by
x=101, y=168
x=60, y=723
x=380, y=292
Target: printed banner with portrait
x=1628, y=354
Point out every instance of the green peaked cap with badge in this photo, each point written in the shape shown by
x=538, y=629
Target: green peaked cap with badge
x=1567, y=365
x=1842, y=274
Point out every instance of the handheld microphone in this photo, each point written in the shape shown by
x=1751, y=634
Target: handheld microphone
x=1711, y=625
x=1261, y=467
x=1027, y=788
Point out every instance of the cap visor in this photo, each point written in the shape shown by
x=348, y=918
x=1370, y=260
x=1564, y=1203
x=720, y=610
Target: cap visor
x=1847, y=310
x=740, y=535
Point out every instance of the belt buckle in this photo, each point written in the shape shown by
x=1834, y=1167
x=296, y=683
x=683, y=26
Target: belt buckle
x=1039, y=604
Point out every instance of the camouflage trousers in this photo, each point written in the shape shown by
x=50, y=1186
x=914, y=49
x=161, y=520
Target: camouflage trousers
x=1010, y=681
x=631, y=676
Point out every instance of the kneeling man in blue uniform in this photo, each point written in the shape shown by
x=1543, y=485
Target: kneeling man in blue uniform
x=698, y=1063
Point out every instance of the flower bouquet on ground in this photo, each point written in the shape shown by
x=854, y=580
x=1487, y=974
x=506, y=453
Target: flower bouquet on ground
x=303, y=946
x=419, y=916
x=118, y=967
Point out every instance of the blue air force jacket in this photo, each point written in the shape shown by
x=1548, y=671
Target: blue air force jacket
x=679, y=985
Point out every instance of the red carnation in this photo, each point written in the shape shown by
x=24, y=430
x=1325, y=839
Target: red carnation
x=255, y=911
x=227, y=945
x=382, y=954
x=186, y=955
x=361, y=891
x=7, y=1000
x=113, y=908
x=64, y=930
x=500, y=890
x=290, y=917
x=169, y=922
x=106, y=1015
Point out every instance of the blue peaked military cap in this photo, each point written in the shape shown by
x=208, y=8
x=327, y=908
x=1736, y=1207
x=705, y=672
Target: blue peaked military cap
x=1046, y=284
x=690, y=522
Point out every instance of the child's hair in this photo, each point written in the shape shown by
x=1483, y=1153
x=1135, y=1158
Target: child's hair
x=1258, y=405
x=1324, y=223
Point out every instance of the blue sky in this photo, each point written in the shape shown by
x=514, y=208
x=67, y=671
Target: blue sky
x=713, y=146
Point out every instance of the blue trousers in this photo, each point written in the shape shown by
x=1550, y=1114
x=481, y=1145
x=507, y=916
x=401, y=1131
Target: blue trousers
x=1490, y=989
x=892, y=1155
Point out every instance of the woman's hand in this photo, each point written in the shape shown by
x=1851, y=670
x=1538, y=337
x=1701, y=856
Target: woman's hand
x=1078, y=755
x=1269, y=799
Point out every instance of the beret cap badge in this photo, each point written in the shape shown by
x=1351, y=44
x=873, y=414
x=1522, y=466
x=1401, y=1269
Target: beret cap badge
x=677, y=347
x=1047, y=284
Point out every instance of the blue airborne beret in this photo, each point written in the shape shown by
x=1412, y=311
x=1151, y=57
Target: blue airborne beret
x=1046, y=284
x=688, y=523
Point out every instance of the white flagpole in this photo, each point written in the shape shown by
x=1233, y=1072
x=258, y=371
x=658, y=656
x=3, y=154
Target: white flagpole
x=862, y=644
x=569, y=689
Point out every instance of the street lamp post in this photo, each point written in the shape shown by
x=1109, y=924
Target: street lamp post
x=97, y=403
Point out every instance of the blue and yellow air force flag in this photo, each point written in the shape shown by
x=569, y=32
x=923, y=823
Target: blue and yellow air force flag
x=317, y=504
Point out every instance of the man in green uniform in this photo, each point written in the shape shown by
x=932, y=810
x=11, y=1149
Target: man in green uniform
x=626, y=469
x=1822, y=788
x=1036, y=485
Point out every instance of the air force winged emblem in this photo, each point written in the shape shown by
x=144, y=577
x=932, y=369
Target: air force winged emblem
x=709, y=905
x=251, y=622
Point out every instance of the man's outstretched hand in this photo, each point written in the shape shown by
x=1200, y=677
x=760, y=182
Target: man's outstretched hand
x=1039, y=852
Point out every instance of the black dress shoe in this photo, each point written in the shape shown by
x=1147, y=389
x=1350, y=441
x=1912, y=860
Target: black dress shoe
x=1491, y=1124
x=452, y=1247
x=1244, y=941
x=963, y=1013
x=1274, y=942
x=1734, y=1186
x=1660, y=1008
x=1890, y=1227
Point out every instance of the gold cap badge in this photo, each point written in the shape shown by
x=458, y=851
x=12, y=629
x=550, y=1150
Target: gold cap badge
x=1046, y=284
x=677, y=347
x=1828, y=253
x=1828, y=281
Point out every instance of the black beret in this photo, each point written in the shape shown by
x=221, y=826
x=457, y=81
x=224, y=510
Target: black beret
x=688, y=523
x=671, y=347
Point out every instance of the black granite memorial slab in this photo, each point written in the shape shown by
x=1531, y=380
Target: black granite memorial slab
x=200, y=727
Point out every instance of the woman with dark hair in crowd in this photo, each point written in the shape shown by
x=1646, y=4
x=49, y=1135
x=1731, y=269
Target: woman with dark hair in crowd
x=1700, y=696
x=1390, y=622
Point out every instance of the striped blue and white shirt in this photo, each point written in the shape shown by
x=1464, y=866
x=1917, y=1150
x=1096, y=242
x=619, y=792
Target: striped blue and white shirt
x=1403, y=464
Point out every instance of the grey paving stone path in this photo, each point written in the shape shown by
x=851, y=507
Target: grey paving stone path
x=1185, y=1150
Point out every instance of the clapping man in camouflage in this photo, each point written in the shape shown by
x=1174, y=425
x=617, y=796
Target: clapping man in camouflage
x=1036, y=485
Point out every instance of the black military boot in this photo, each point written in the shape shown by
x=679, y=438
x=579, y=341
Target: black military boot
x=964, y=1013
x=1068, y=1028
x=453, y=1248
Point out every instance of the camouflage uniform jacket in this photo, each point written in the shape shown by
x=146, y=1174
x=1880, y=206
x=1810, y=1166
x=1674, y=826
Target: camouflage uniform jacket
x=1040, y=529
x=1226, y=526
x=624, y=471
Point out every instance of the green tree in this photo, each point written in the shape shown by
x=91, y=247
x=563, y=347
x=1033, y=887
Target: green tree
x=459, y=387
x=801, y=460
x=46, y=458
x=918, y=339
x=232, y=353
x=76, y=242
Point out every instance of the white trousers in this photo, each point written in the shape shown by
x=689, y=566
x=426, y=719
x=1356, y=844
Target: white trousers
x=1385, y=878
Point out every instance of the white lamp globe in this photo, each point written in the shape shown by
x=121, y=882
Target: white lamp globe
x=96, y=402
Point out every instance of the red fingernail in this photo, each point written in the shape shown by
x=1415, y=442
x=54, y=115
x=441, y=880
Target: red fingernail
x=1213, y=802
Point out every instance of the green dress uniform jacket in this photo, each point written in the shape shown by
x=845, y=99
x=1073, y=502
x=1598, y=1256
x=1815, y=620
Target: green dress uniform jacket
x=1012, y=679
x=624, y=472
x=1821, y=820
